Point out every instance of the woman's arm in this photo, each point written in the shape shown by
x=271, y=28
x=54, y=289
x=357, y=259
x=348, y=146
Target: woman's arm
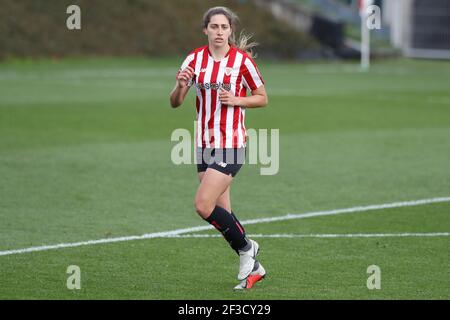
x=258, y=98
x=181, y=87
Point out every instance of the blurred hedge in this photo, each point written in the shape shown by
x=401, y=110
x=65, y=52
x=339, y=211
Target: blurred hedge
x=37, y=28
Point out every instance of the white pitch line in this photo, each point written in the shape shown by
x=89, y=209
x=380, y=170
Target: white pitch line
x=246, y=222
x=350, y=210
x=336, y=235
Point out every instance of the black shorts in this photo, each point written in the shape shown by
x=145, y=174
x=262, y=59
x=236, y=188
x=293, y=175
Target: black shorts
x=226, y=160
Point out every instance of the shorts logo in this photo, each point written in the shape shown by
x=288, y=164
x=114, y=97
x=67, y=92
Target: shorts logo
x=222, y=164
x=228, y=71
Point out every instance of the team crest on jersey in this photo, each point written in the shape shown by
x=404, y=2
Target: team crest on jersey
x=228, y=71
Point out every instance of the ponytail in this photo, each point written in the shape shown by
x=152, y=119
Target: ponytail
x=243, y=43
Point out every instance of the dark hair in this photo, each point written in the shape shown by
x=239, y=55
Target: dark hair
x=243, y=41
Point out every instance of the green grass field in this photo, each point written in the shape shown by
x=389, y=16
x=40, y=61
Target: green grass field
x=85, y=155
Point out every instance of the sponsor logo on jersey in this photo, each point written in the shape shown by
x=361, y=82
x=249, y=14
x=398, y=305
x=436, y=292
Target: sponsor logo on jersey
x=214, y=86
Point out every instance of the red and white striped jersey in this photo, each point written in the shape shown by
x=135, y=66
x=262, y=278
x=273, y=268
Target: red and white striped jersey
x=221, y=126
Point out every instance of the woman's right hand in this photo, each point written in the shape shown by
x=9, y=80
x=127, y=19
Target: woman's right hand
x=184, y=77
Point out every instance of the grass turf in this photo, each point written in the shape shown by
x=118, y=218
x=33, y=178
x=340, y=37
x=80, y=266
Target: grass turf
x=85, y=154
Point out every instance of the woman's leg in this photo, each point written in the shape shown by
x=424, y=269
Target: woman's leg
x=224, y=200
x=212, y=186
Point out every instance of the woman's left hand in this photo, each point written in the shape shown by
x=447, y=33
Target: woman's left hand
x=227, y=98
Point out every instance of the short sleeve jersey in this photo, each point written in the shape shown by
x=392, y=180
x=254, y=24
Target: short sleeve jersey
x=217, y=125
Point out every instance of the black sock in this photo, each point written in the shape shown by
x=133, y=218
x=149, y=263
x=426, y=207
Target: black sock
x=240, y=225
x=231, y=230
x=236, y=219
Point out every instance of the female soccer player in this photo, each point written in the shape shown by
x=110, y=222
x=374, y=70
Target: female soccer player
x=222, y=71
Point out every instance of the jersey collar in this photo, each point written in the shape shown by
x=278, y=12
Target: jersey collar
x=226, y=55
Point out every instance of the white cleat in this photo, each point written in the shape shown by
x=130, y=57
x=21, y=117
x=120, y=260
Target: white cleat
x=254, y=277
x=247, y=260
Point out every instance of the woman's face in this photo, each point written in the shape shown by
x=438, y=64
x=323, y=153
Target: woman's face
x=218, y=30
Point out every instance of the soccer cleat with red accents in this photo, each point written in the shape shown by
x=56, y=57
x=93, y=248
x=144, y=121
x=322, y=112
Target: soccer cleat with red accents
x=253, y=278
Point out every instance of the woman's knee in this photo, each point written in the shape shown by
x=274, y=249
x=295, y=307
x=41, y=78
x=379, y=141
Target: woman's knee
x=203, y=207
